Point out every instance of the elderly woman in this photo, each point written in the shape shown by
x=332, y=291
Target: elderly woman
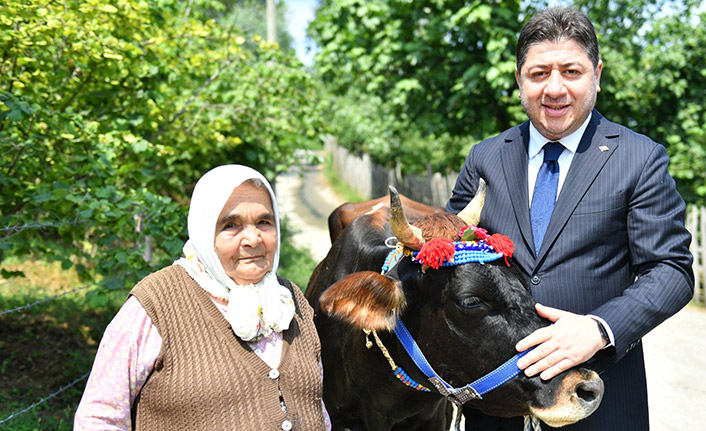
x=215, y=341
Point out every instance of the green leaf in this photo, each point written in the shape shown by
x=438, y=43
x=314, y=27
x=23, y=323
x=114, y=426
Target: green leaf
x=107, y=8
x=140, y=145
x=11, y=274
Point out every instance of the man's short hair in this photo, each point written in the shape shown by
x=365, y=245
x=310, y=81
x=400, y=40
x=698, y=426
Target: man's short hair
x=556, y=24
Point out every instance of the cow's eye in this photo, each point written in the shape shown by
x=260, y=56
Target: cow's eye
x=470, y=302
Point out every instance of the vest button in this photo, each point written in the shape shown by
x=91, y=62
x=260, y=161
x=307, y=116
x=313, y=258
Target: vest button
x=535, y=280
x=273, y=374
x=286, y=425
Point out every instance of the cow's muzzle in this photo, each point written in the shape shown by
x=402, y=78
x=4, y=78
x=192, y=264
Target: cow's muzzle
x=578, y=396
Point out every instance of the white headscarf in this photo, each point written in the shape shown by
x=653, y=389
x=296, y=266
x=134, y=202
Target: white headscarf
x=255, y=309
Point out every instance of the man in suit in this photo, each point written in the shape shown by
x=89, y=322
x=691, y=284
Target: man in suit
x=596, y=219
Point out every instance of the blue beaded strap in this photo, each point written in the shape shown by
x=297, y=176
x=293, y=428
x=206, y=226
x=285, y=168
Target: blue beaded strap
x=465, y=252
x=392, y=258
x=469, y=251
x=468, y=256
x=401, y=375
x=407, y=380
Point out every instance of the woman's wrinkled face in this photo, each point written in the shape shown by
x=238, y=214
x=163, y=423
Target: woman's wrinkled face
x=246, y=234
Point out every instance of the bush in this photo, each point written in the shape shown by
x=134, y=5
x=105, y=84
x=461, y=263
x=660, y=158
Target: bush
x=110, y=113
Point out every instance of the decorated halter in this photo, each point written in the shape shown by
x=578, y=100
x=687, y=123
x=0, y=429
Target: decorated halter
x=475, y=246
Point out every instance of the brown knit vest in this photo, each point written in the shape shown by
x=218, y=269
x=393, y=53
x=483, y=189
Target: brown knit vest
x=206, y=378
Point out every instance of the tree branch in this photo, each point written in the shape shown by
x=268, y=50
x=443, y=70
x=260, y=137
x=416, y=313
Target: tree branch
x=76, y=91
x=12, y=165
x=191, y=100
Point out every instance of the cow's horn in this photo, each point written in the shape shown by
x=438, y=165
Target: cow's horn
x=471, y=214
x=410, y=236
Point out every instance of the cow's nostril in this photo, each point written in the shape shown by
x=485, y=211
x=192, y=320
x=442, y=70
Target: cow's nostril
x=586, y=394
x=590, y=393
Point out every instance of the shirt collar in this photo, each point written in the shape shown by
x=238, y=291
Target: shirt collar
x=571, y=142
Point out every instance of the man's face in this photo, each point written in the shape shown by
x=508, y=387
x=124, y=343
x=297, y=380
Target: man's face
x=558, y=87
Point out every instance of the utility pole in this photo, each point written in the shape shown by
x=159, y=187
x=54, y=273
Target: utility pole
x=271, y=21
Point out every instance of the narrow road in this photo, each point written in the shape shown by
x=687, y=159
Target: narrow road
x=675, y=359
x=306, y=199
x=675, y=352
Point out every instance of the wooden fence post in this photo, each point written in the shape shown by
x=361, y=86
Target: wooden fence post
x=696, y=225
x=692, y=218
x=691, y=225
x=700, y=238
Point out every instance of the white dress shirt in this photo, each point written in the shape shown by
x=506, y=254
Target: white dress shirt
x=536, y=158
x=536, y=155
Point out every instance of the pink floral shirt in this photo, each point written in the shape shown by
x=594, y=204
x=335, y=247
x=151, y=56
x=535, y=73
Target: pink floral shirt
x=132, y=339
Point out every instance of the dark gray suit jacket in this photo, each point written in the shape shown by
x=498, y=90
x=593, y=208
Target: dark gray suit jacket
x=616, y=246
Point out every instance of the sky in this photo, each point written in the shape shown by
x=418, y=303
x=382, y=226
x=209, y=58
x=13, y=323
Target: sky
x=299, y=14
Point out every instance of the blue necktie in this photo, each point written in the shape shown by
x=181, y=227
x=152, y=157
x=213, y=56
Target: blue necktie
x=544, y=195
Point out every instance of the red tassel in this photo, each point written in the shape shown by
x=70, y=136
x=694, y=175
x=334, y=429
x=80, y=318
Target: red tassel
x=501, y=244
x=435, y=252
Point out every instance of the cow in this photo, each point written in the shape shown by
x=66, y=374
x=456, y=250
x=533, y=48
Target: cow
x=465, y=318
x=349, y=211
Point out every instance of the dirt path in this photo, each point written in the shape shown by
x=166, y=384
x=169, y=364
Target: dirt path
x=675, y=352
x=306, y=199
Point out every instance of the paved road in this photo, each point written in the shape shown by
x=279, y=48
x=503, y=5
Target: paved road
x=675, y=352
x=675, y=359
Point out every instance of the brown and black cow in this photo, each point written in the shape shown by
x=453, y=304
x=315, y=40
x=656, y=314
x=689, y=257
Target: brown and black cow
x=466, y=319
x=349, y=211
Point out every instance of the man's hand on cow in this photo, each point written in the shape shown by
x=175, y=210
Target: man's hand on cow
x=571, y=340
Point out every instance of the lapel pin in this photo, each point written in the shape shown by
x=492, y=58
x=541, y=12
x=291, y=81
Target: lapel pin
x=603, y=148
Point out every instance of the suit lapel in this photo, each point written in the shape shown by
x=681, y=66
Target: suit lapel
x=593, y=152
x=514, y=163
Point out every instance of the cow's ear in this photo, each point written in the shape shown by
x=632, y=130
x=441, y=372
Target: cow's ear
x=366, y=300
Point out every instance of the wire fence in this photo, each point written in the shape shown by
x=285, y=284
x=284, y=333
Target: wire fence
x=107, y=284
x=51, y=298
x=8, y=231
x=94, y=286
x=17, y=228
x=43, y=400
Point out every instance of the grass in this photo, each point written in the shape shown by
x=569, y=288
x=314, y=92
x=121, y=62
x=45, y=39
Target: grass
x=47, y=346
x=296, y=264
x=338, y=185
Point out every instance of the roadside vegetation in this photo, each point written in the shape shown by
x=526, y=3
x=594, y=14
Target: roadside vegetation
x=46, y=346
x=109, y=114
x=339, y=186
